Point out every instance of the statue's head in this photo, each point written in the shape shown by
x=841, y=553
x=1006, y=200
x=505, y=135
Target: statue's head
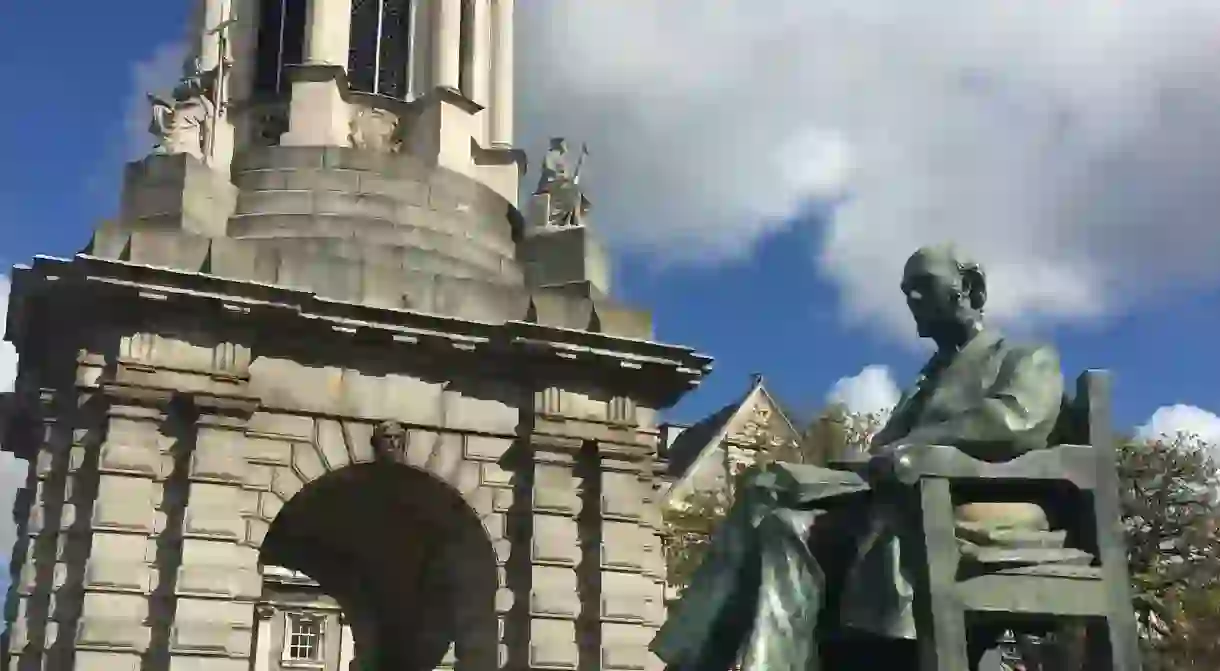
x=191, y=84
x=945, y=292
x=559, y=143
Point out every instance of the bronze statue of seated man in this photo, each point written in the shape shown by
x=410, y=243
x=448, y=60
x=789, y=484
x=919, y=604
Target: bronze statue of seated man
x=766, y=586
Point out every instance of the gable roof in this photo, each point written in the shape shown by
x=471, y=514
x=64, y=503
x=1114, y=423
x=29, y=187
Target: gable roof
x=692, y=442
x=701, y=438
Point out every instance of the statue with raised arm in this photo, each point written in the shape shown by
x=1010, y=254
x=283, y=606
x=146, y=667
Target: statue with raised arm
x=771, y=596
x=559, y=184
x=182, y=123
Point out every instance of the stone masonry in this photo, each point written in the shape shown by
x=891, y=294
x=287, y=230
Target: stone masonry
x=198, y=388
x=169, y=416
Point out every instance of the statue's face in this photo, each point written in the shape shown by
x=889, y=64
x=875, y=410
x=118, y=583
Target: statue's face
x=933, y=288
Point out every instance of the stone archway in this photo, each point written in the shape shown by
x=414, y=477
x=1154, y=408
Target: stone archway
x=402, y=550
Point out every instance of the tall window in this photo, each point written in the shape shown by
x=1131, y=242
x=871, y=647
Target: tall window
x=380, y=59
x=303, y=639
x=281, y=42
x=466, y=50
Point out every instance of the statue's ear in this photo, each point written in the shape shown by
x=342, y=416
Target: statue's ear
x=975, y=284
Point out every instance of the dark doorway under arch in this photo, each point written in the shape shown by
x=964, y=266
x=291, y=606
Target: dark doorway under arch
x=406, y=558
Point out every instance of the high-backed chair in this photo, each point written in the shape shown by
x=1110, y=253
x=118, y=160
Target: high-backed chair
x=1076, y=481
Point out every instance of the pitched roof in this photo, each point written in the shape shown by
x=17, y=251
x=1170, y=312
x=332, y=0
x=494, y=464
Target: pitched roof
x=691, y=443
x=712, y=430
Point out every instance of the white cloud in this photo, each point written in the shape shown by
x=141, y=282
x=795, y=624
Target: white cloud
x=1072, y=147
x=871, y=391
x=12, y=470
x=1172, y=420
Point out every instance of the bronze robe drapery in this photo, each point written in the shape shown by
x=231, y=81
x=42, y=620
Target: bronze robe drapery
x=758, y=592
x=757, y=595
x=993, y=401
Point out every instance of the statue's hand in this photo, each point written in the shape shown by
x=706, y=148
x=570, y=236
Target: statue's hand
x=882, y=463
x=892, y=464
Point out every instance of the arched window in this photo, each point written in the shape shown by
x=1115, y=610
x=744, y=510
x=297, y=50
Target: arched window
x=281, y=42
x=380, y=58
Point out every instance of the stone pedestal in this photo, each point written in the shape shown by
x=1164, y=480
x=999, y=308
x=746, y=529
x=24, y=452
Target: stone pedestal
x=176, y=193
x=563, y=257
x=318, y=114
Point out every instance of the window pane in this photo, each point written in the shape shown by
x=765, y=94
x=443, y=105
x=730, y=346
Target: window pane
x=267, y=54
x=362, y=52
x=294, y=32
x=304, y=639
x=395, y=49
x=466, y=62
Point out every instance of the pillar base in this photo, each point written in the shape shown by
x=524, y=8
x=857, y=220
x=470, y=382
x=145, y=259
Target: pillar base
x=563, y=257
x=176, y=192
x=318, y=115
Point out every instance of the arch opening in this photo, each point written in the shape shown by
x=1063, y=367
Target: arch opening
x=406, y=559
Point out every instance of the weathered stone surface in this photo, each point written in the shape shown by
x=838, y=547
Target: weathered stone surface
x=553, y=644
x=554, y=592
x=556, y=540
x=247, y=400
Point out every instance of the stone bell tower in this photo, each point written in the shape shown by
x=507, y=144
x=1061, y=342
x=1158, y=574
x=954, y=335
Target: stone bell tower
x=320, y=336
x=435, y=76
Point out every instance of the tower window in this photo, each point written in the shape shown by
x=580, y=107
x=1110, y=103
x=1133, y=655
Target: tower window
x=281, y=42
x=466, y=50
x=380, y=57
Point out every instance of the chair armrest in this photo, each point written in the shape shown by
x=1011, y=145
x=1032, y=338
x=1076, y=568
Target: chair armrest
x=1076, y=464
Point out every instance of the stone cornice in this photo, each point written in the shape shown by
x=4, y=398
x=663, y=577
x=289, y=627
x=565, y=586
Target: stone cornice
x=657, y=372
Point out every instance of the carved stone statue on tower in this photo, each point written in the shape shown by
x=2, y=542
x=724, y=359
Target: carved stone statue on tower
x=559, y=187
x=182, y=123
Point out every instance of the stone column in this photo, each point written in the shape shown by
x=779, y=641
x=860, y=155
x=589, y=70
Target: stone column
x=329, y=32
x=629, y=592
x=218, y=579
x=500, y=96
x=480, y=64
x=38, y=515
x=317, y=115
x=446, y=43
x=210, y=14
x=124, y=524
x=262, y=637
x=555, y=551
x=655, y=572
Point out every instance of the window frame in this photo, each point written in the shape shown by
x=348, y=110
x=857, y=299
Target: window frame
x=278, y=52
x=411, y=9
x=291, y=621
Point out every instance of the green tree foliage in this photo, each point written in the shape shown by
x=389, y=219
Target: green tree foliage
x=837, y=433
x=1170, y=514
x=1169, y=499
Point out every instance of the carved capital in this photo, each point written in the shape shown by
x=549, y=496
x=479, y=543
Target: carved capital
x=264, y=611
x=120, y=394
x=390, y=441
x=225, y=410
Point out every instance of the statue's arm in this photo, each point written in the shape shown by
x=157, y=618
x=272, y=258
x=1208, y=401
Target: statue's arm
x=1017, y=413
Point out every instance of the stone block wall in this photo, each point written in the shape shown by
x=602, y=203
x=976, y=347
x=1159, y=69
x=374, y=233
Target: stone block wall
x=193, y=419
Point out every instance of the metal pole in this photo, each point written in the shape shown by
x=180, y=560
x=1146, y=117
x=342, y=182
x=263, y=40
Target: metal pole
x=221, y=32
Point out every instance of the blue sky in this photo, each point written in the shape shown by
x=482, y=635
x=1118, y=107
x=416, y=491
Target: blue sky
x=770, y=310
x=1075, y=156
